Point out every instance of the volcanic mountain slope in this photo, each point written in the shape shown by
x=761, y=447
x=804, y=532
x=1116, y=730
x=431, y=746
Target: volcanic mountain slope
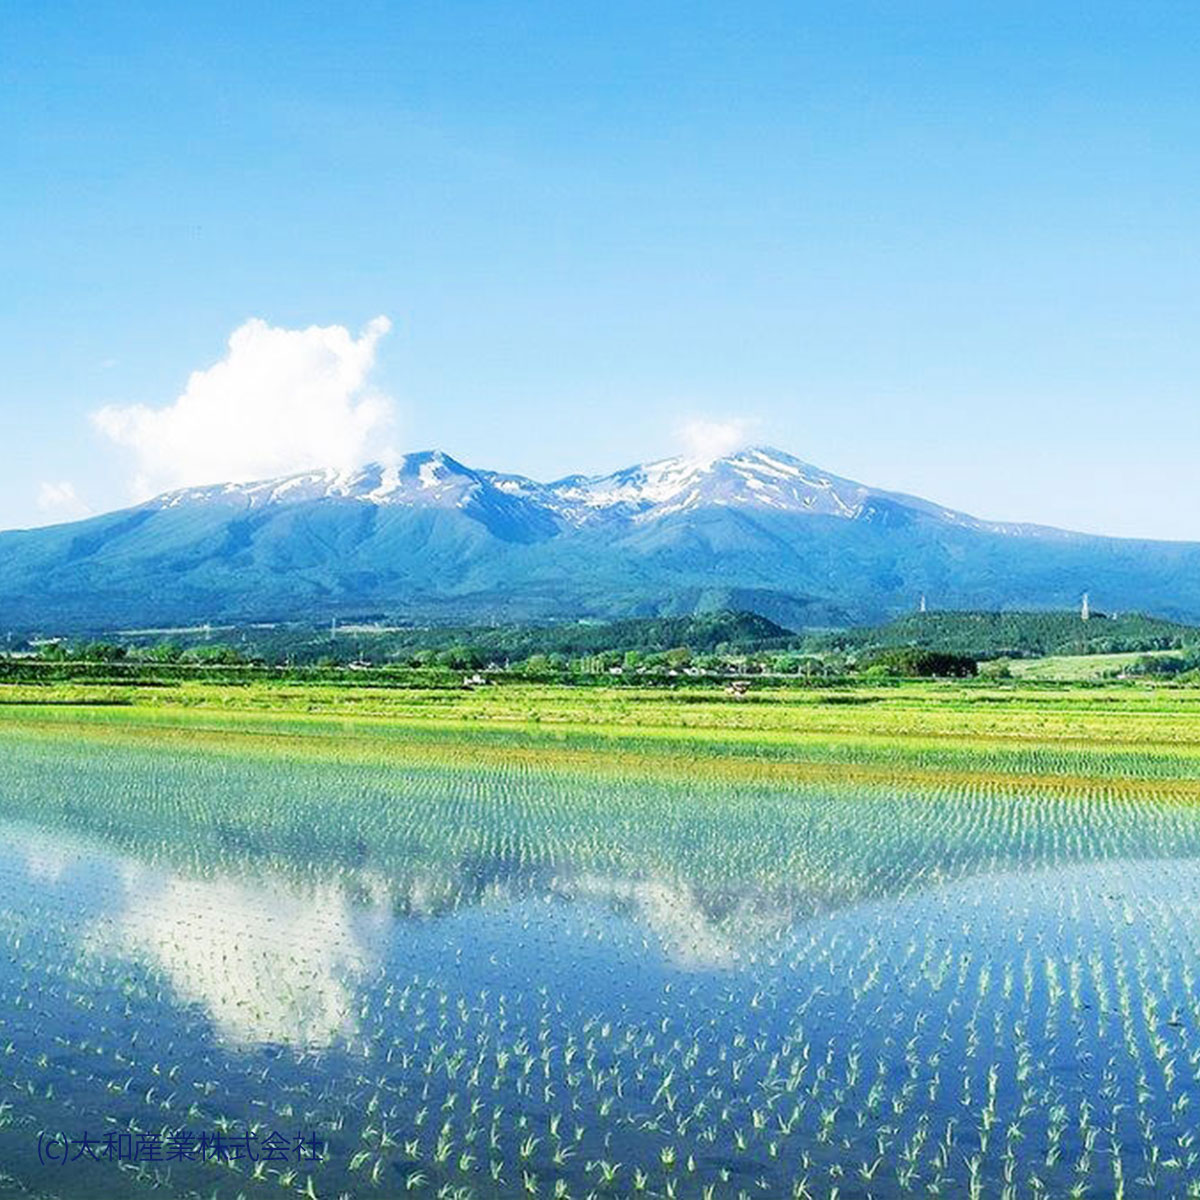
x=429, y=539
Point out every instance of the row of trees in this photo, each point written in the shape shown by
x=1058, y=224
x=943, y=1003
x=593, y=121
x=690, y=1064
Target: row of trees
x=216, y=654
x=677, y=661
x=935, y=643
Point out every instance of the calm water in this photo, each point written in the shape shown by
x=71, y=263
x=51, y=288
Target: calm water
x=460, y=983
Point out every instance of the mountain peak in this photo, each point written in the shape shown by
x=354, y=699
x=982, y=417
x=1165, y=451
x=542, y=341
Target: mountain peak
x=756, y=476
x=377, y=482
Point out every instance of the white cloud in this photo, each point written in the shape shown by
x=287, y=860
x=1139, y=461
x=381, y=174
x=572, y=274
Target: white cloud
x=60, y=501
x=281, y=400
x=706, y=439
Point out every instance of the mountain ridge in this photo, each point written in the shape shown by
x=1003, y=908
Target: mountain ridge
x=641, y=491
x=429, y=538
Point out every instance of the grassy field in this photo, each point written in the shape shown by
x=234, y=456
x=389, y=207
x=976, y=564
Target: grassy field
x=1079, y=668
x=1031, y=735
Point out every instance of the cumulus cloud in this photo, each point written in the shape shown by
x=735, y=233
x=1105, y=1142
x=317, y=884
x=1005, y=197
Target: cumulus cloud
x=60, y=502
x=704, y=439
x=280, y=400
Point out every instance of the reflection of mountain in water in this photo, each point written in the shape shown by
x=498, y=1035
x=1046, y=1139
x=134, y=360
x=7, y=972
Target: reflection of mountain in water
x=440, y=839
x=275, y=954
x=621, y=1001
x=335, y=850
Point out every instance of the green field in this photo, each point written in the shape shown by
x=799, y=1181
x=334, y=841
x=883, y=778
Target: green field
x=1049, y=732
x=841, y=944
x=1081, y=668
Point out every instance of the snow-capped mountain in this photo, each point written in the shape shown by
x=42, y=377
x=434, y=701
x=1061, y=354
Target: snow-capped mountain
x=428, y=538
x=756, y=478
x=428, y=477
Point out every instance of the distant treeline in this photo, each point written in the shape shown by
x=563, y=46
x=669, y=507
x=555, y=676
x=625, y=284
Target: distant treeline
x=720, y=643
x=457, y=647
x=989, y=635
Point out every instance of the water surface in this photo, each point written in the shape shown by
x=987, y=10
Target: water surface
x=460, y=982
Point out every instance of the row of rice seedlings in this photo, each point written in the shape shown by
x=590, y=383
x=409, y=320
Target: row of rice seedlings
x=449, y=833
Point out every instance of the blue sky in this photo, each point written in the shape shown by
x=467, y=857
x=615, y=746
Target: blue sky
x=949, y=249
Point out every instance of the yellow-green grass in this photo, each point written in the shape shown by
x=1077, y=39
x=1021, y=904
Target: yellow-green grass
x=912, y=735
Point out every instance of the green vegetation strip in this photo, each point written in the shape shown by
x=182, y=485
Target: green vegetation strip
x=913, y=735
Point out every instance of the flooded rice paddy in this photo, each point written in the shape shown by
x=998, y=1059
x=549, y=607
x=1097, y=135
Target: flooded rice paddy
x=447, y=981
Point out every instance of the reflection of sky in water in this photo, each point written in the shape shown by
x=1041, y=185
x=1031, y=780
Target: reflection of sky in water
x=267, y=964
x=266, y=961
